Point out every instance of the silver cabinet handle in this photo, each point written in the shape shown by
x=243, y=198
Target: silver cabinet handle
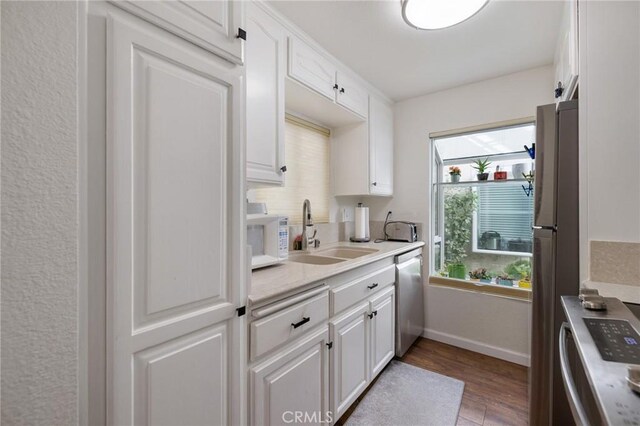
x=549, y=227
x=579, y=415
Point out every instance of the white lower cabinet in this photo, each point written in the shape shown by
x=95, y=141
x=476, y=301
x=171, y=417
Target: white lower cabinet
x=292, y=386
x=349, y=358
x=363, y=343
x=382, y=330
x=305, y=371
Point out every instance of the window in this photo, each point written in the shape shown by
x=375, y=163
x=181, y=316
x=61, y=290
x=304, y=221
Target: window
x=308, y=174
x=482, y=228
x=509, y=209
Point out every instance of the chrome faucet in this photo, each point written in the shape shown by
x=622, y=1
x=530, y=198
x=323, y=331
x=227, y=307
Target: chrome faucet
x=306, y=222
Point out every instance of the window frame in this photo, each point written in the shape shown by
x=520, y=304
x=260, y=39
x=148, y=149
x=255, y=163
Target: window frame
x=437, y=165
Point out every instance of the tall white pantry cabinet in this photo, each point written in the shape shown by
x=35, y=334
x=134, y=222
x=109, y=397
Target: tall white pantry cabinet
x=166, y=86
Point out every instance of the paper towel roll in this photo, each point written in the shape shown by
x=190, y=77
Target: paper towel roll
x=362, y=223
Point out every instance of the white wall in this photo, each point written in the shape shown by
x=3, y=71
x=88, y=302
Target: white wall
x=490, y=321
x=610, y=121
x=39, y=213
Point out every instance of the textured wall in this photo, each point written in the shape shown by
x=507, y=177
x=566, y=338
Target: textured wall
x=39, y=213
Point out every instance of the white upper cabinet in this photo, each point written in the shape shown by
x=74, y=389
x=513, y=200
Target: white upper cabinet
x=380, y=147
x=362, y=154
x=265, y=72
x=566, y=56
x=212, y=25
x=351, y=95
x=312, y=69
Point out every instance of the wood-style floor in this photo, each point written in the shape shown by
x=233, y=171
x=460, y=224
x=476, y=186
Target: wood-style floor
x=495, y=391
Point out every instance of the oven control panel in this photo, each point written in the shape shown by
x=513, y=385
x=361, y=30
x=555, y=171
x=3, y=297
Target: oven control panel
x=615, y=339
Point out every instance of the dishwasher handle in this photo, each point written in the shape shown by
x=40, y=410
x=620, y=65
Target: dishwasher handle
x=401, y=258
x=579, y=415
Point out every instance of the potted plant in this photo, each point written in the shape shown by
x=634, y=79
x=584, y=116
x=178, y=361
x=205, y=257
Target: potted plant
x=521, y=270
x=504, y=279
x=456, y=270
x=481, y=166
x=525, y=281
x=459, y=205
x=481, y=275
x=454, y=172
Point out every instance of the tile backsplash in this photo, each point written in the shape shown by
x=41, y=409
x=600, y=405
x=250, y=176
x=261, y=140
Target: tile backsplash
x=615, y=262
x=335, y=232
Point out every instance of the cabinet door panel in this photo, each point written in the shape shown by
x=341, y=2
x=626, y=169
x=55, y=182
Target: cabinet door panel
x=172, y=372
x=173, y=134
x=311, y=68
x=380, y=147
x=349, y=358
x=212, y=25
x=295, y=380
x=265, y=67
x=352, y=95
x=382, y=331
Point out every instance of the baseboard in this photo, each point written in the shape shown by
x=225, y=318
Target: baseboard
x=475, y=346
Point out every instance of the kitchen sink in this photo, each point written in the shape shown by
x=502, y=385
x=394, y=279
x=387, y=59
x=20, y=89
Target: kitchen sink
x=346, y=252
x=314, y=260
x=331, y=256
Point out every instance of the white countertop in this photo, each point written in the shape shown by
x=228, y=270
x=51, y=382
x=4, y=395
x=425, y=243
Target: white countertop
x=626, y=293
x=287, y=277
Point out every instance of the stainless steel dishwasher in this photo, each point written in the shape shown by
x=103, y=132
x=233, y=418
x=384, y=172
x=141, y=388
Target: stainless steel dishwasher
x=409, y=300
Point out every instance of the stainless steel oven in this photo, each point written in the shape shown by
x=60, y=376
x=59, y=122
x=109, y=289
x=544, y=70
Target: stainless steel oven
x=599, y=353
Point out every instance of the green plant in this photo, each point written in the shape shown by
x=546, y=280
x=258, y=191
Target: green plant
x=481, y=165
x=479, y=274
x=504, y=277
x=457, y=270
x=520, y=269
x=459, y=204
x=454, y=170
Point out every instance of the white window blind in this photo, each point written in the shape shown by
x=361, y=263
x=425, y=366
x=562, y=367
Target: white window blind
x=308, y=174
x=505, y=209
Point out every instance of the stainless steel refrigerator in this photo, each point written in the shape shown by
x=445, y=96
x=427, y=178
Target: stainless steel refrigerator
x=556, y=269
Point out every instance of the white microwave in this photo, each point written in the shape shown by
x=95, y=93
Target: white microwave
x=268, y=236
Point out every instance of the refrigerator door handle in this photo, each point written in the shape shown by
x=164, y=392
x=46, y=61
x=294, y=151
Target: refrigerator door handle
x=579, y=415
x=553, y=228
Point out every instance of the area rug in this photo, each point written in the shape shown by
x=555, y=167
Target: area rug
x=407, y=395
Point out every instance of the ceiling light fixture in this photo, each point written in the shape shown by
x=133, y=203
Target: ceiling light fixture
x=437, y=14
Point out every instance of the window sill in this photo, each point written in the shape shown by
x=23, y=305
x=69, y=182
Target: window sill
x=478, y=287
x=504, y=253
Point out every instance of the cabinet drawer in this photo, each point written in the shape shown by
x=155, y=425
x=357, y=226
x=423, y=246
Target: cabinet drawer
x=292, y=322
x=346, y=295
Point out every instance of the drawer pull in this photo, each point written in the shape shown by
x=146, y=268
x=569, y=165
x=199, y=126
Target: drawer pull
x=372, y=286
x=304, y=321
x=370, y=315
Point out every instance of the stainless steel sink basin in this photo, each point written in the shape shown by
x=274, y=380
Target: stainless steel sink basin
x=346, y=252
x=314, y=260
x=331, y=256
